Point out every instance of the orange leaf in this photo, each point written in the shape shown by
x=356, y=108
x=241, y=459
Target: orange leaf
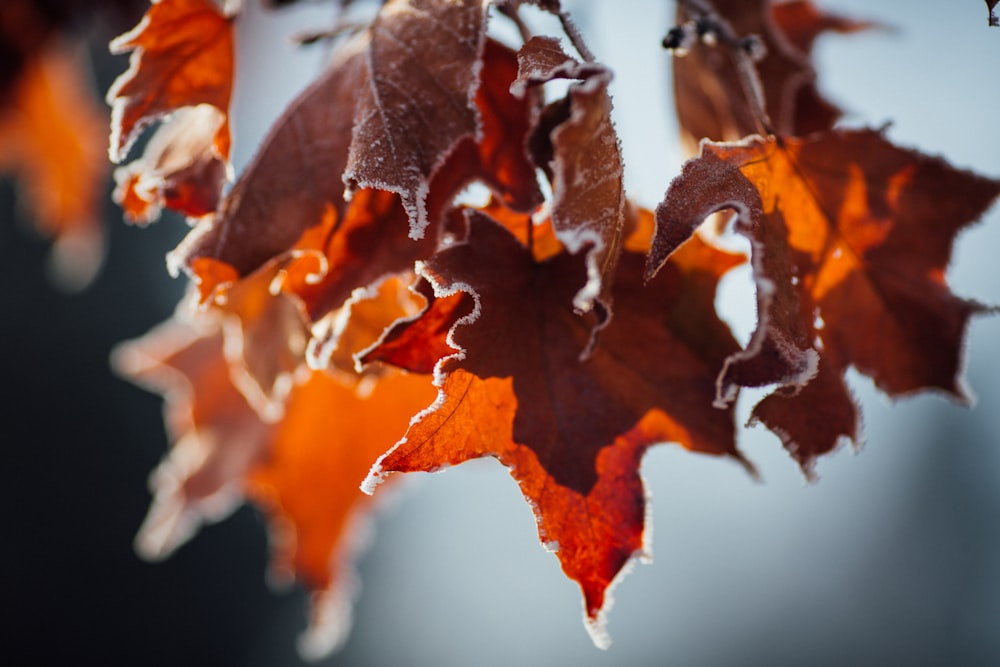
x=216, y=435
x=308, y=484
x=182, y=55
x=303, y=470
x=180, y=168
x=50, y=137
x=572, y=432
x=851, y=237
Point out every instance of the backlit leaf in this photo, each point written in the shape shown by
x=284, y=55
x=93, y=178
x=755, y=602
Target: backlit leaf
x=573, y=432
x=851, y=236
x=182, y=55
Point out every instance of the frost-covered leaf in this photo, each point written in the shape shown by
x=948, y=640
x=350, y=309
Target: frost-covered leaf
x=710, y=97
x=418, y=102
x=584, y=161
x=180, y=168
x=216, y=435
x=573, y=432
x=182, y=55
x=303, y=470
x=292, y=182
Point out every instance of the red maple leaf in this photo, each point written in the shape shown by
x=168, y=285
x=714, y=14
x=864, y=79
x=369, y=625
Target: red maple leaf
x=572, y=431
x=400, y=140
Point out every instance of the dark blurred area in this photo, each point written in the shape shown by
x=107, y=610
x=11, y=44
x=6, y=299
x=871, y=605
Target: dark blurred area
x=26, y=24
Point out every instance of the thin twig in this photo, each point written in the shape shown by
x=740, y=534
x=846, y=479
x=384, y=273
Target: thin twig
x=569, y=27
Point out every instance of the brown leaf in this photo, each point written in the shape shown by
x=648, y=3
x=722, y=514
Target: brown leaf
x=573, y=432
x=290, y=199
x=851, y=237
x=710, y=97
x=265, y=335
x=588, y=196
x=58, y=157
x=418, y=103
x=182, y=55
x=359, y=323
x=801, y=22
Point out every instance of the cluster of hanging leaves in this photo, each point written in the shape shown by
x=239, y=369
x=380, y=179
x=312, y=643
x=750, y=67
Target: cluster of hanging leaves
x=350, y=318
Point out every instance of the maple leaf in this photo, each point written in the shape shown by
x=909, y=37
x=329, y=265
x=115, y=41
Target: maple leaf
x=308, y=483
x=402, y=136
x=586, y=167
x=801, y=22
x=303, y=470
x=216, y=434
x=58, y=157
x=179, y=168
x=182, y=55
x=708, y=89
x=573, y=432
x=851, y=236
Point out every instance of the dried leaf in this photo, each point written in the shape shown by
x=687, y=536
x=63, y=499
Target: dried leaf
x=572, y=432
x=265, y=336
x=851, y=236
x=708, y=92
x=418, y=104
x=292, y=182
x=179, y=168
x=182, y=55
x=308, y=484
x=216, y=435
x=588, y=196
x=303, y=470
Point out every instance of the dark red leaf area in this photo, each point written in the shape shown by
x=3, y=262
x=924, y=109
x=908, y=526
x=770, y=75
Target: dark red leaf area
x=572, y=431
x=291, y=197
x=801, y=22
x=812, y=420
x=505, y=125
